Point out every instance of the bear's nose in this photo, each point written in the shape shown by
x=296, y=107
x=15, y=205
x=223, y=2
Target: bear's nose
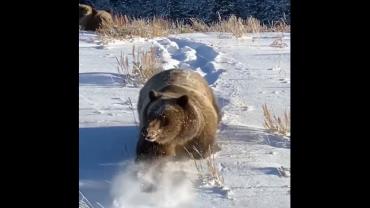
x=150, y=139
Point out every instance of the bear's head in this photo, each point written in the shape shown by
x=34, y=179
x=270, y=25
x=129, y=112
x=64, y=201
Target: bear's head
x=166, y=117
x=84, y=10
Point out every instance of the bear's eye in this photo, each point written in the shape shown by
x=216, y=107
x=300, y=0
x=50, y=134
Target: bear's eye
x=165, y=121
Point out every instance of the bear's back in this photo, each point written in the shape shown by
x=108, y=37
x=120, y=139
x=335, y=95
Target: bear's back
x=179, y=77
x=190, y=83
x=94, y=19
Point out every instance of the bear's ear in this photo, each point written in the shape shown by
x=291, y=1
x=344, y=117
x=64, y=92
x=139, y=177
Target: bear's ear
x=94, y=11
x=183, y=100
x=153, y=95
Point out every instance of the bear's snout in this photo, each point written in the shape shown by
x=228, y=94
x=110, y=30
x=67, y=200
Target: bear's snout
x=150, y=139
x=152, y=135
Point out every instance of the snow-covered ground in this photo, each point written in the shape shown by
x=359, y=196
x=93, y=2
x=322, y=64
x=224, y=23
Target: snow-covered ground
x=245, y=73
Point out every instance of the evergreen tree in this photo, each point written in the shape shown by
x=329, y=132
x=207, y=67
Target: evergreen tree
x=174, y=9
x=224, y=8
x=206, y=10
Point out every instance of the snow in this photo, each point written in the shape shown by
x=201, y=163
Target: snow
x=244, y=73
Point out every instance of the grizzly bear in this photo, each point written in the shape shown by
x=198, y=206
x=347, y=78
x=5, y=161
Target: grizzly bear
x=92, y=19
x=178, y=116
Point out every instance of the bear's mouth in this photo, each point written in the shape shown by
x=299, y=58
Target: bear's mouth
x=153, y=135
x=150, y=139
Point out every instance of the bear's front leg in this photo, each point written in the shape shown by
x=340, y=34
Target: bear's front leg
x=171, y=150
x=146, y=150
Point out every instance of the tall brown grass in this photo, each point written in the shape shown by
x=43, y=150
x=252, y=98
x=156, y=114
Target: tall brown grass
x=211, y=174
x=276, y=124
x=144, y=65
x=126, y=27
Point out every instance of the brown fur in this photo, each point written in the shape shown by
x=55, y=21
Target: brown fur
x=92, y=19
x=177, y=111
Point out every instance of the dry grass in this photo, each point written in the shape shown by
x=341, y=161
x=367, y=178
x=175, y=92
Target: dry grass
x=133, y=111
x=211, y=175
x=276, y=124
x=84, y=202
x=280, y=26
x=123, y=67
x=213, y=170
x=144, y=65
x=198, y=26
x=233, y=25
x=253, y=25
x=126, y=27
x=278, y=43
